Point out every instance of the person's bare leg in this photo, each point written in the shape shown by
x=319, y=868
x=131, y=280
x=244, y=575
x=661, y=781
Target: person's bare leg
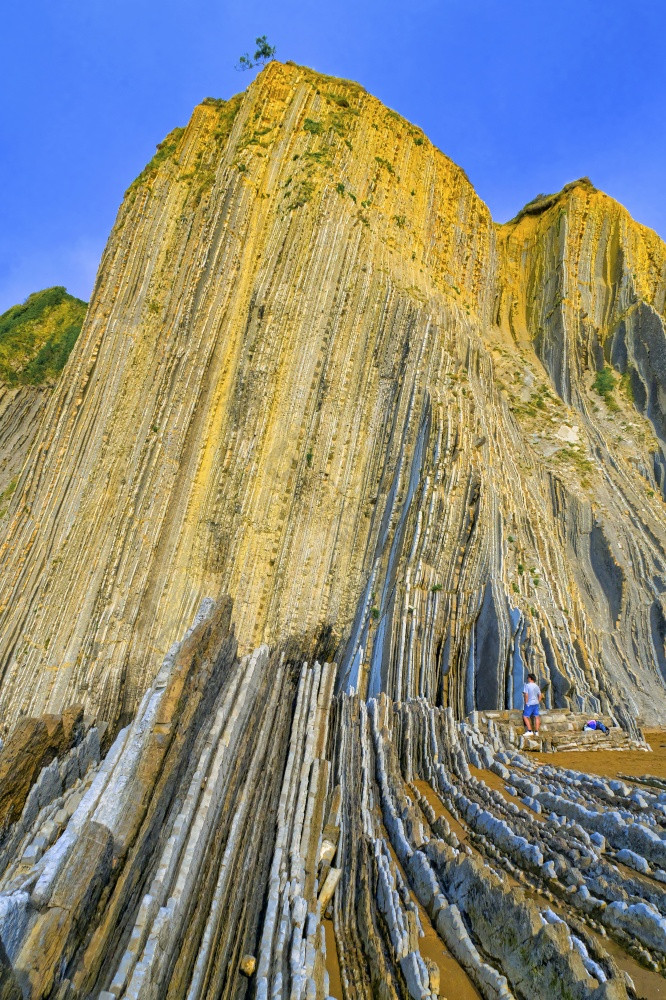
x=537, y=722
x=526, y=720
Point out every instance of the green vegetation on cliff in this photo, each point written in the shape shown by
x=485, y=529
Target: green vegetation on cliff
x=36, y=338
x=604, y=383
x=542, y=202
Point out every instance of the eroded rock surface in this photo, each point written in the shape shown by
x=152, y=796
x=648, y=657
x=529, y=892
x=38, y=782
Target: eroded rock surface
x=201, y=855
x=316, y=376
x=36, y=339
x=423, y=454
x=32, y=745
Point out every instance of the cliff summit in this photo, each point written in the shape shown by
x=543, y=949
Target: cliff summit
x=334, y=462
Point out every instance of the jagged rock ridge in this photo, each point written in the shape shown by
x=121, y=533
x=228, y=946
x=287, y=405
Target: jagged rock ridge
x=245, y=806
x=316, y=375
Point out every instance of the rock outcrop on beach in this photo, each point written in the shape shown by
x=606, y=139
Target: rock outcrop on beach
x=315, y=375
x=250, y=834
x=388, y=455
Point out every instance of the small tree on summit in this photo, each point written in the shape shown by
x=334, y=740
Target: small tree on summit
x=264, y=52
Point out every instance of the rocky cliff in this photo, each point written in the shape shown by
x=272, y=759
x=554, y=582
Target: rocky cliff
x=315, y=375
x=36, y=339
x=251, y=835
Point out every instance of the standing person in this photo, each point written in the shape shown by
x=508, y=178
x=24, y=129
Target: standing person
x=532, y=694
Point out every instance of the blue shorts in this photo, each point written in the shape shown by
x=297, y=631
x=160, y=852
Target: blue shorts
x=529, y=711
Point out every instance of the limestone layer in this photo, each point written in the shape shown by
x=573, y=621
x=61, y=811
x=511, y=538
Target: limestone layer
x=315, y=375
x=36, y=339
x=250, y=834
x=21, y=412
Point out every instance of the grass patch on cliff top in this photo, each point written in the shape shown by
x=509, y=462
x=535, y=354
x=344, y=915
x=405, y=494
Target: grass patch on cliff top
x=227, y=112
x=164, y=151
x=36, y=338
x=542, y=202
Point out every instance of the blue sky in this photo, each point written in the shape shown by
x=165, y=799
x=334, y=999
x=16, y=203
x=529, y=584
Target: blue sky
x=525, y=96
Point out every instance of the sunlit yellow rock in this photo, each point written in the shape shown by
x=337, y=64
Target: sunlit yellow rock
x=315, y=375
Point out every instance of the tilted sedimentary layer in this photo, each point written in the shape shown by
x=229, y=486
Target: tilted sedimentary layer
x=250, y=834
x=36, y=339
x=316, y=376
x=21, y=412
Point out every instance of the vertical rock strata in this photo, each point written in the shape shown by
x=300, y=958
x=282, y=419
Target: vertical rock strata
x=245, y=808
x=36, y=339
x=315, y=375
x=21, y=412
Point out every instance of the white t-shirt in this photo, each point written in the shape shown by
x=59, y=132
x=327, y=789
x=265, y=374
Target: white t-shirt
x=533, y=692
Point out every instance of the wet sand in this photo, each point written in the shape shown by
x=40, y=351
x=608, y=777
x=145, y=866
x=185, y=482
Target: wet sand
x=332, y=961
x=455, y=984
x=649, y=985
x=494, y=781
x=433, y=799
x=623, y=764
x=613, y=763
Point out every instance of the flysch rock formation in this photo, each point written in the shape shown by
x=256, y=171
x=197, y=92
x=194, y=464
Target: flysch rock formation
x=21, y=412
x=251, y=834
x=316, y=376
x=35, y=341
x=386, y=456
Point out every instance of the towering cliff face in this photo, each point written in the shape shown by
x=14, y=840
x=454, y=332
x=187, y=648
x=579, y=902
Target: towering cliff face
x=587, y=286
x=316, y=376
